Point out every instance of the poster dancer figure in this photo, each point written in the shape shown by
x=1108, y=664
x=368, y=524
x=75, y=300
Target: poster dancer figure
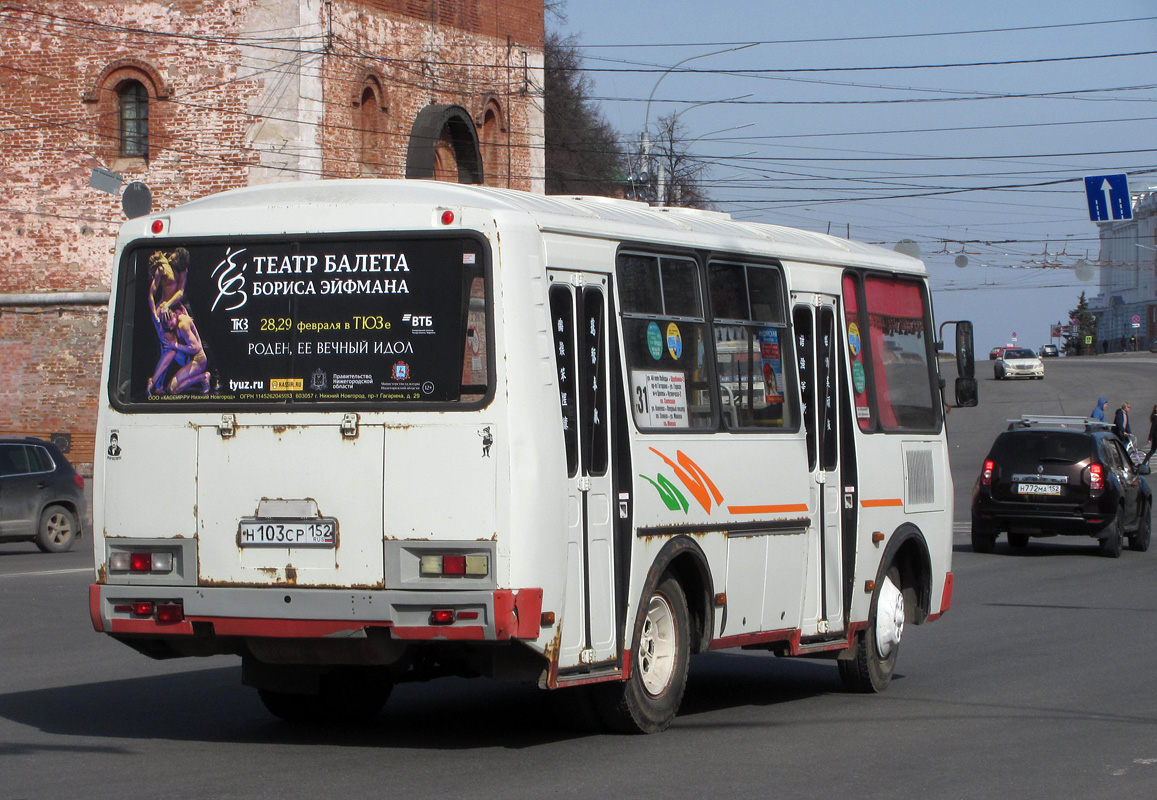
x=187, y=342
x=168, y=274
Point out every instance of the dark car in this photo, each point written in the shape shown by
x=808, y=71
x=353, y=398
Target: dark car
x=1049, y=351
x=41, y=495
x=1061, y=476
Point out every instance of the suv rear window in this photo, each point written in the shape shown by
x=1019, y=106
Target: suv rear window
x=1059, y=447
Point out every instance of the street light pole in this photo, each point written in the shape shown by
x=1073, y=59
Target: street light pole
x=645, y=139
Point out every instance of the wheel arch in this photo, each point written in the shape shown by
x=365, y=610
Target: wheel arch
x=907, y=550
x=683, y=559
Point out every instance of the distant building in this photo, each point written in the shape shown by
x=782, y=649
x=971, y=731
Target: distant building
x=1128, y=267
x=191, y=97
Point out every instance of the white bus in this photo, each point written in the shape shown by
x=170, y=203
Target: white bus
x=365, y=432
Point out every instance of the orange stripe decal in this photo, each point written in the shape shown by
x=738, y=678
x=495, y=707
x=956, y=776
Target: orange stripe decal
x=888, y=501
x=798, y=508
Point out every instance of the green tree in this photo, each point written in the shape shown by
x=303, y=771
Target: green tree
x=1086, y=326
x=583, y=154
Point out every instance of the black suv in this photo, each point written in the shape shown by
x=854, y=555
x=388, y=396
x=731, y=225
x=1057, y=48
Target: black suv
x=41, y=496
x=1067, y=476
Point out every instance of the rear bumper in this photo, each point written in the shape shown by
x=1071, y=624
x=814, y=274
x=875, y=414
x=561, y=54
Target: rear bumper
x=1083, y=522
x=291, y=613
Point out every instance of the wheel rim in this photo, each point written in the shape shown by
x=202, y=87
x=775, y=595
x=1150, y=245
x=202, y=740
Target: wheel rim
x=657, y=646
x=59, y=529
x=889, y=618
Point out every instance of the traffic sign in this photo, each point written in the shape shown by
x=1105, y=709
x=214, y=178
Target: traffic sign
x=1108, y=197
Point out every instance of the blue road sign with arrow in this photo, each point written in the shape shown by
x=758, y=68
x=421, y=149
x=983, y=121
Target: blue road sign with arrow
x=1108, y=197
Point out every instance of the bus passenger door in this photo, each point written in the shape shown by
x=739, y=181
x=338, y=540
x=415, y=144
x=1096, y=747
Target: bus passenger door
x=817, y=339
x=579, y=315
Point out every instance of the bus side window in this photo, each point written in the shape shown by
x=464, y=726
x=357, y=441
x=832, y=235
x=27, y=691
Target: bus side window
x=752, y=346
x=665, y=346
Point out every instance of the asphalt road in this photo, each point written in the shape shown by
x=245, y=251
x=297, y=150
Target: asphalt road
x=1037, y=684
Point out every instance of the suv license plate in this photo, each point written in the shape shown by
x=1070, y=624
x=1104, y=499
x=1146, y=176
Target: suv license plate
x=1038, y=488
x=320, y=532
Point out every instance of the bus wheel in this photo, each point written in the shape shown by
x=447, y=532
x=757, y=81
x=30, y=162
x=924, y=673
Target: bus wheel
x=347, y=696
x=57, y=531
x=877, y=646
x=648, y=701
x=291, y=707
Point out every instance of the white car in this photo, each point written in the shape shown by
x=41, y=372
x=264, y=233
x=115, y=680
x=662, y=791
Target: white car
x=1018, y=362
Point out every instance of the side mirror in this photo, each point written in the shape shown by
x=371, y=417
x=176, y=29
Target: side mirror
x=965, y=355
x=1143, y=469
x=967, y=393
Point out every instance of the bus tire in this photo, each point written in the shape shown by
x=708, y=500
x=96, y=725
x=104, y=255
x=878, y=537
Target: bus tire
x=57, y=530
x=878, y=645
x=649, y=699
x=291, y=707
x=345, y=696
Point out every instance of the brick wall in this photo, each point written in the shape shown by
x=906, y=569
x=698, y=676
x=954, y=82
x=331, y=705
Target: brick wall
x=232, y=102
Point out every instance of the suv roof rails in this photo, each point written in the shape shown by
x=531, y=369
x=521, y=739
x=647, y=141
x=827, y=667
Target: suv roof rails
x=1048, y=421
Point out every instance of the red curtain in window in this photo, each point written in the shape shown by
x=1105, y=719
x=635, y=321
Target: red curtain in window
x=893, y=307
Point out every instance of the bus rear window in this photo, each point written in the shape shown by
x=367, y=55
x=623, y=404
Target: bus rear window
x=263, y=321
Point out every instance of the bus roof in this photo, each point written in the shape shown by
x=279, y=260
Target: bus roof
x=322, y=203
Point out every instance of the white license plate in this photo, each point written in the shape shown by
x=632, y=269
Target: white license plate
x=1038, y=488
x=319, y=532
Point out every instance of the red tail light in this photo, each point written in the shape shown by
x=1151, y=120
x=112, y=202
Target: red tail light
x=442, y=616
x=986, y=475
x=170, y=613
x=1096, y=477
x=78, y=480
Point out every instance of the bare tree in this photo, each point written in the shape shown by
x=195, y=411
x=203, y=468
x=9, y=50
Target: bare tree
x=676, y=174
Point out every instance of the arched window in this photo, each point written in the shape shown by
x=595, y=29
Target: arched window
x=129, y=113
x=371, y=123
x=133, y=103
x=494, y=140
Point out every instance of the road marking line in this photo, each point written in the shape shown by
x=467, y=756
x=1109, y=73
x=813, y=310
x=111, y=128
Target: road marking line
x=47, y=572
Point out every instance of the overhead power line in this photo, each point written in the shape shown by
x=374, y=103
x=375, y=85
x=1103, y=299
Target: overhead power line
x=1021, y=29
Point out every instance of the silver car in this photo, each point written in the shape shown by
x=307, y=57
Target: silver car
x=1018, y=362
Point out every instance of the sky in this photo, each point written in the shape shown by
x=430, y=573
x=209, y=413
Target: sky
x=967, y=128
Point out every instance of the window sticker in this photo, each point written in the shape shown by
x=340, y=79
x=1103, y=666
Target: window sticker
x=674, y=341
x=859, y=382
x=772, y=364
x=654, y=341
x=659, y=399
x=854, y=343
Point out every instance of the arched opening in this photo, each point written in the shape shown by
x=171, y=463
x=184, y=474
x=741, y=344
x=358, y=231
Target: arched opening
x=494, y=141
x=371, y=122
x=444, y=146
